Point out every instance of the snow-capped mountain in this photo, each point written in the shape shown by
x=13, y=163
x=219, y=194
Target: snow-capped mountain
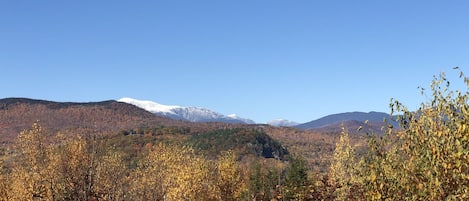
x=282, y=122
x=193, y=114
x=150, y=106
x=234, y=116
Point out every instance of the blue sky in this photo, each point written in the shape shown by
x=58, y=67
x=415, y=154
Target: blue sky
x=261, y=59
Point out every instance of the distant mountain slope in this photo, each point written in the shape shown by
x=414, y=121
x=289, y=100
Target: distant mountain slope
x=336, y=119
x=192, y=114
x=17, y=114
x=352, y=126
x=282, y=122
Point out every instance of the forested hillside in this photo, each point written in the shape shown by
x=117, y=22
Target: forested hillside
x=105, y=117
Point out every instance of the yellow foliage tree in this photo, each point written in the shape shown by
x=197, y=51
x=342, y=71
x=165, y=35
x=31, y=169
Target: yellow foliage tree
x=229, y=180
x=74, y=169
x=342, y=167
x=111, y=177
x=435, y=143
x=31, y=176
x=174, y=173
x=428, y=158
x=4, y=184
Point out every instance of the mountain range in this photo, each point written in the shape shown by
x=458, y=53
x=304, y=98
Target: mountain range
x=192, y=114
x=330, y=123
x=18, y=113
x=108, y=117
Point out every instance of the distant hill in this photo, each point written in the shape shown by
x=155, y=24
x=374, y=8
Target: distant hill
x=350, y=120
x=17, y=114
x=192, y=114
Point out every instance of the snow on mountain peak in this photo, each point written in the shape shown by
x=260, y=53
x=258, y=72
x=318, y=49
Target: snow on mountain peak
x=282, y=122
x=236, y=117
x=150, y=105
x=194, y=114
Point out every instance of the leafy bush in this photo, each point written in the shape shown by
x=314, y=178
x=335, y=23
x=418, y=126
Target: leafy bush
x=427, y=159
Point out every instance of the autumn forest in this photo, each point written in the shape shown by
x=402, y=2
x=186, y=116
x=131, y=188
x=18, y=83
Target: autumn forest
x=114, y=151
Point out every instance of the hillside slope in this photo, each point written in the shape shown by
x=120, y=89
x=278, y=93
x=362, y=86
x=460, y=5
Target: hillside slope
x=337, y=119
x=17, y=114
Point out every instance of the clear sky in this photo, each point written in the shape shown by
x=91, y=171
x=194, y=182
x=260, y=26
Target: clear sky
x=261, y=59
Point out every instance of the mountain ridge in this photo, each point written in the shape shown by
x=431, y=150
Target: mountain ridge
x=282, y=123
x=192, y=114
x=338, y=118
x=329, y=123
